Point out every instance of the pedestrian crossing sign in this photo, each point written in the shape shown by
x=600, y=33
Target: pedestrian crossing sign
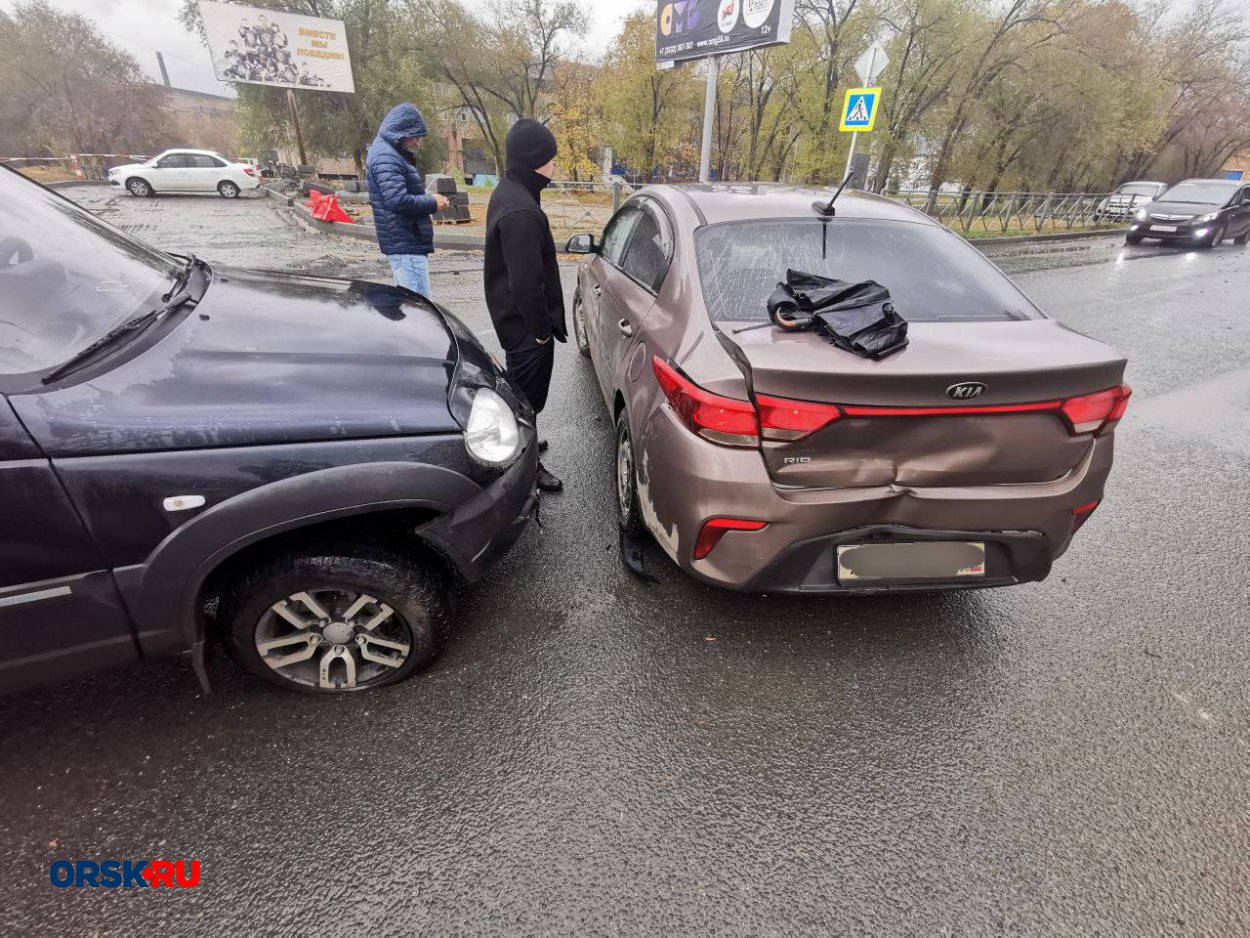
x=860, y=110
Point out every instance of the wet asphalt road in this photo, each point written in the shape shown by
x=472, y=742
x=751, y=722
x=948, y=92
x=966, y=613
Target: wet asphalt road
x=595, y=755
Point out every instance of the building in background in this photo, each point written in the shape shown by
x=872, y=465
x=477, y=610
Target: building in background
x=1237, y=167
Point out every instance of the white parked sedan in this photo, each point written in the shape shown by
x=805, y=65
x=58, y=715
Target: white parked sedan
x=185, y=171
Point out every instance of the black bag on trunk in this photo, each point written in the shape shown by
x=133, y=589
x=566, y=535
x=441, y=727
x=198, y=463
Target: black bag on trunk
x=856, y=317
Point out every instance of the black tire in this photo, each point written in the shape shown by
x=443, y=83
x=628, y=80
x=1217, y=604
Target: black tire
x=228, y=189
x=1240, y=240
x=628, y=514
x=579, y=325
x=419, y=597
x=1132, y=239
x=137, y=186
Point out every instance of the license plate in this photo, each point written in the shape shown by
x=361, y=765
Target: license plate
x=1162, y=227
x=913, y=561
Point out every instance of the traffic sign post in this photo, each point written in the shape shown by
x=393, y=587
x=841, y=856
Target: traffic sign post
x=859, y=110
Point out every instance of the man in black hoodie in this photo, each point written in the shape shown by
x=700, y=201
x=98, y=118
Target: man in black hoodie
x=522, y=277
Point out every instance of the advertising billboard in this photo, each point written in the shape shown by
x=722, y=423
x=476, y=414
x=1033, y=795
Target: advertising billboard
x=695, y=29
x=269, y=47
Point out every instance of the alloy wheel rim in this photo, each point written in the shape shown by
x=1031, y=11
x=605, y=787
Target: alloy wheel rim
x=229, y=190
x=335, y=639
x=624, y=475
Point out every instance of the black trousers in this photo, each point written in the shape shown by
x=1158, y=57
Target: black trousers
x=529, y=366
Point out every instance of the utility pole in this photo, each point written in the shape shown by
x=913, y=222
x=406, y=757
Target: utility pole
x=160, y=60
x=299, y=134
x=709, y=111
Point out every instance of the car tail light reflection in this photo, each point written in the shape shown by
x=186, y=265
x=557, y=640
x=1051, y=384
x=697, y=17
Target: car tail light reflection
x=741, y=423
x=714, y=529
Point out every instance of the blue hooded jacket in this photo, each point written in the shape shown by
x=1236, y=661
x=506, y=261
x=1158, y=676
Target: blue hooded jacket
x=401, y=208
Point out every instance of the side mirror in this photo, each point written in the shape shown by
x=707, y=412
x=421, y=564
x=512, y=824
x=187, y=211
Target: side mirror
x=581, y=244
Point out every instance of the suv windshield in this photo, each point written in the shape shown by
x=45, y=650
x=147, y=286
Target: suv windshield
x=66, y=277
x=932, y=275
x=1212, y=193
x=1137, y=188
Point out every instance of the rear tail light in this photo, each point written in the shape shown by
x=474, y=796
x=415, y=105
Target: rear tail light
x=1093, y=413
x=721, y=419
x=740, y=423
x=1081, y=514
x=714, y=529
x=782, y=419
x=249, y=170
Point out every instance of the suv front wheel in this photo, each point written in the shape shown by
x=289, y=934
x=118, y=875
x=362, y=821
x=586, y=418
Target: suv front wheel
x=336, y=620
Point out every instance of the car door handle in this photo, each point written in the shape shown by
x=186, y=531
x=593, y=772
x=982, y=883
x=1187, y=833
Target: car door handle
x=598, y=290
x=626, y=329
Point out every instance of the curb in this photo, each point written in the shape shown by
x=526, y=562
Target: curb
x=365, y=231
x=1029, y=239
x=74, y=183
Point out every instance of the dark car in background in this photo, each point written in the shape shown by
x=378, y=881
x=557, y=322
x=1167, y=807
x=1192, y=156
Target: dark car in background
x=773, y=461
x=300, y=467
x=1199, y=212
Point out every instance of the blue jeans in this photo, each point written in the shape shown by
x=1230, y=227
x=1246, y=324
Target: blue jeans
x=411, y=271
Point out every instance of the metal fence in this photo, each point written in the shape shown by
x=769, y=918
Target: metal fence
x=974, y=212
x=971, y=212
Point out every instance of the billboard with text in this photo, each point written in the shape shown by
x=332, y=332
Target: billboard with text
x=269, y=47
x=695, y=29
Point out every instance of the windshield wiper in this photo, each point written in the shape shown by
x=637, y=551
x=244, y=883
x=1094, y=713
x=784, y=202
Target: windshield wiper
x=129, y=327
x=184, y=276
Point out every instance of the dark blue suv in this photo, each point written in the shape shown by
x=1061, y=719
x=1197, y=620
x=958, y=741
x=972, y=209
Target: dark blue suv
x=300, y=467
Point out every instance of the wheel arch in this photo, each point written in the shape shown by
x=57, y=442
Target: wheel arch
x=166, y=601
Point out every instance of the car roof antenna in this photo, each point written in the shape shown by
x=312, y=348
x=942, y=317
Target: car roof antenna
x=827, y=210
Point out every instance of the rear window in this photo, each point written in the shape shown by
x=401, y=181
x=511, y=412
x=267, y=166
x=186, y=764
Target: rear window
x=932, y=275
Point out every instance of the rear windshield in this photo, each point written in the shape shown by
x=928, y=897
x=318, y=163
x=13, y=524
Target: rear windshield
x=932, y=274
x=1212, y=193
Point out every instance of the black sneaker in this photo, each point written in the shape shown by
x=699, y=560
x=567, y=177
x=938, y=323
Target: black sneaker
x=546, y=481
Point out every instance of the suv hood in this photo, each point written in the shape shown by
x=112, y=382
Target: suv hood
x=263, y=358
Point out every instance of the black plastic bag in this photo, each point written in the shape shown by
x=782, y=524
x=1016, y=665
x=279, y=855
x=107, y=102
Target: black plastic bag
x=856, y=317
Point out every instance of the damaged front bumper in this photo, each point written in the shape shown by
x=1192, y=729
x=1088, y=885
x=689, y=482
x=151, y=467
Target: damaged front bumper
x=477, y=532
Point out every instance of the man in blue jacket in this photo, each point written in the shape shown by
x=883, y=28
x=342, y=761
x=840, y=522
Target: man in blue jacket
x=401, y=206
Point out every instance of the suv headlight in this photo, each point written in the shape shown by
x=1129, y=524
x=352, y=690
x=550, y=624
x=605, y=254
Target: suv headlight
x=491, y=435
x=1209, y=216
x=1142, y=214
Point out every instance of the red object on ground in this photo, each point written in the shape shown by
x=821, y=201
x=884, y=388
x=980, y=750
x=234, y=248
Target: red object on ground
x=327, y=208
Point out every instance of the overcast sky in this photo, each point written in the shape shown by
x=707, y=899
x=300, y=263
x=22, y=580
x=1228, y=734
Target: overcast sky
x=143, y=26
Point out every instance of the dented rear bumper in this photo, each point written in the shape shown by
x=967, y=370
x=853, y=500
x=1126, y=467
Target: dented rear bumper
x=685, y=480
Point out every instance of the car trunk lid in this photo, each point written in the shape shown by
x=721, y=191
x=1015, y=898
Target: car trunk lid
x=904, y=420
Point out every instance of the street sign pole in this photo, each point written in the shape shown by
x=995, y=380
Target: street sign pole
x=872, y=61
x=709, y=111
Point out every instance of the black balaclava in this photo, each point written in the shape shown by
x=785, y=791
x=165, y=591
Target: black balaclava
x=528, y=146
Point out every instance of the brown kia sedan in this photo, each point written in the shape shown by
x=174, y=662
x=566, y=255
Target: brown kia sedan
x=768, y=460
